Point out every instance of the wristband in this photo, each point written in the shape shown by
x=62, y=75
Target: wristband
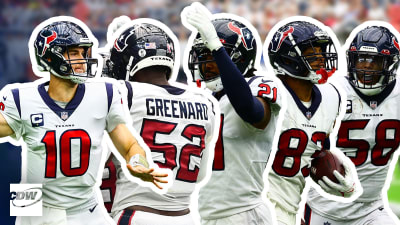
x=138, y=160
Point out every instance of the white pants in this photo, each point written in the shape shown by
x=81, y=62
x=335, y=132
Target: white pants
x=260, y=215
x=377, y=217
x=95, y=216
x=130, y=217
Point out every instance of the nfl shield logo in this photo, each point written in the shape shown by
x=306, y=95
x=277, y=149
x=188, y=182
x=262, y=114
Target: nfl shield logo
x=308, y=114
x=373, y=104
x=64, y=115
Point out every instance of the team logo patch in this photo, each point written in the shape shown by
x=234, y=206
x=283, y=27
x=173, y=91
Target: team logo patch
x=37, y=120
x=64, y=115
x=26, y=199
x=373, y=104
x=44, y=40
x=244, y=34
x=308, y=115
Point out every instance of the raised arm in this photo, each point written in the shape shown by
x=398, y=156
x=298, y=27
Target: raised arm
x=254, y=110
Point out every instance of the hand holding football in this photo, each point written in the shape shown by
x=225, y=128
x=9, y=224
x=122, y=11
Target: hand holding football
x=324, y=165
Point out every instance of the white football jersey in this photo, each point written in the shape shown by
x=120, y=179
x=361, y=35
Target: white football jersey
x=63, y=145
x=177, y=125
x=368, y=135
x=241, y=156
x=304, y=132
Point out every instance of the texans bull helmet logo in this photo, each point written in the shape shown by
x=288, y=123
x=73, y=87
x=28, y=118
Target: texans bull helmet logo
x=43, y=41
x=279, y=38
x=120, y=43
x=244, y=34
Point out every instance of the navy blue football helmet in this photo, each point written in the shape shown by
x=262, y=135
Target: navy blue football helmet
x=54, y=40
x=373, y=59
x=140, y=46
x=287, y=49
x=239, y=43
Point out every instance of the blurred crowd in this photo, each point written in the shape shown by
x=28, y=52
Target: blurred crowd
x=19, y=17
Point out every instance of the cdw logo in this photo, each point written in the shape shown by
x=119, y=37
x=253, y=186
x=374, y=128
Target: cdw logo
x=33, y=194
x=25, y=199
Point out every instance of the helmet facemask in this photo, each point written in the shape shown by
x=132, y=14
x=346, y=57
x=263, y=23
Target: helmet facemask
x=307, y=59
x=372, y=60
x=89, y=64
x=303, y=50
x=371, y=72
x=204, y=68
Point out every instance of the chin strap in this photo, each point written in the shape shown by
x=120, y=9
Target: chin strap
x=198, y=83
x=325, y=75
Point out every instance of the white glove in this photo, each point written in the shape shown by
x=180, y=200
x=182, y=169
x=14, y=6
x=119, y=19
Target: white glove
x=115, y=25
x=198, y=16
x=346, y=187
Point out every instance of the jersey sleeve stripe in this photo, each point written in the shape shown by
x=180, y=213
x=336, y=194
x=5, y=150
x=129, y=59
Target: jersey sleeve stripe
x=130, y=93
x=252, y=79
x=109, y=89
x=15, y=93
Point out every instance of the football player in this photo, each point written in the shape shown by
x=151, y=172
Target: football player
x=303, y=56
x=370, y=130
x=223, y=55
x=62, y=122
x=178, y=124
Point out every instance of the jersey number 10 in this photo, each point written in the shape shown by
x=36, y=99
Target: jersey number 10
x=49, y=140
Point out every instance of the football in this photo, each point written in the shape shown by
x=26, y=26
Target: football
x=324, y=164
